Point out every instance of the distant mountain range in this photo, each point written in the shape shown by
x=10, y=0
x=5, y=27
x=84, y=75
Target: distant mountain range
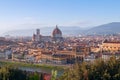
x=109, y=28
x=46, y=31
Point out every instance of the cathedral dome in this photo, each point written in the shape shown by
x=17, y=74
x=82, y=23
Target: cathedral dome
x=57, y=32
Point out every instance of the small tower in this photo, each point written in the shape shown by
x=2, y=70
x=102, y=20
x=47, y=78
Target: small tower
x=36, y=37
x=37, y=34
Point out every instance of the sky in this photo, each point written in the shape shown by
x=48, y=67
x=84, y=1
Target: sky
x=28, y=14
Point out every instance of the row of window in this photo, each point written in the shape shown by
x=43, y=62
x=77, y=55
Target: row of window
x=111, y=47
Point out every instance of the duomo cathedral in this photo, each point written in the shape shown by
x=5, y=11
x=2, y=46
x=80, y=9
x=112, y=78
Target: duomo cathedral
x=56, y=36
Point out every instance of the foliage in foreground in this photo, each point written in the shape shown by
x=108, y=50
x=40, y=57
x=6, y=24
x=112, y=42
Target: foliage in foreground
x=8, y=73
x=13, y=73
x=54, y=75
x=99, y=70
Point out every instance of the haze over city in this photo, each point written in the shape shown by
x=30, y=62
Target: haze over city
x=59, y=40
x=24, y=14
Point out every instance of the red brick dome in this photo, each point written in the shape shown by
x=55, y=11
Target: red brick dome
x=56, y=31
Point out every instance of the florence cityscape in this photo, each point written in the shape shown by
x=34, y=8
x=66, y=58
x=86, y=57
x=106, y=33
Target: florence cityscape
x=59, y=40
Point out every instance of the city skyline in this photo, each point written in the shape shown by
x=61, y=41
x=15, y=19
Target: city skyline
x=23, y=14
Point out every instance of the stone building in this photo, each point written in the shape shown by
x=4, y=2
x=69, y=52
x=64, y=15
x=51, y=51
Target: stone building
x=110, y=46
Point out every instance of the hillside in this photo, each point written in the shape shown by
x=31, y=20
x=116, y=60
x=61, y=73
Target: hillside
x=109, y=28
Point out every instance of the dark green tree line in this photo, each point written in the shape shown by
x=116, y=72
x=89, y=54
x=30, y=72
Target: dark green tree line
x=99, y=70
x=12, y=73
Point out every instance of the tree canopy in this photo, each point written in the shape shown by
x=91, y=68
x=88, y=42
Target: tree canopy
x=98, y=70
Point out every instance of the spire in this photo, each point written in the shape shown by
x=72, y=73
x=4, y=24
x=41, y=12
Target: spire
x=56, y=26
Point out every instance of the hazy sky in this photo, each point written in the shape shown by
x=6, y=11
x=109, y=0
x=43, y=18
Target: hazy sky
x=25, y=14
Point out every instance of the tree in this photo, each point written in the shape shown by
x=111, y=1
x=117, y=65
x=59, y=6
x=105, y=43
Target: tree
x=99, y=70
x=54, y=75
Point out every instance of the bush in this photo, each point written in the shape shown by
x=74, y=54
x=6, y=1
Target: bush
x=99, y=70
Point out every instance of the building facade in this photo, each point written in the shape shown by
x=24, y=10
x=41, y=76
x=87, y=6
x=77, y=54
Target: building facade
x=110, y=46
x=36, y=37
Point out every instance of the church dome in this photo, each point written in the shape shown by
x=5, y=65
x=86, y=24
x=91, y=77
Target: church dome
x=57, y=31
